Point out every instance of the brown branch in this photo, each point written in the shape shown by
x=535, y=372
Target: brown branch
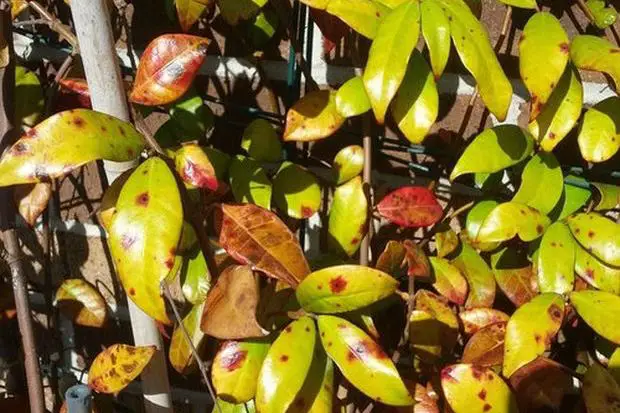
x=55, y=24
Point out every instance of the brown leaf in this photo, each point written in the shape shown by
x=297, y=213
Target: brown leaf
x=486, y=347
x=417, y=261
x=255, y=236
x=31, y=200
x=478, y=318
x=230, y=311
x=514, y=276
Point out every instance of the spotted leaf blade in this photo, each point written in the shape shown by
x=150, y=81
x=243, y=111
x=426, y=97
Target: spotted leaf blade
x=436, y=33
x=512, y=219
x=118, y=365
x=313, y=117
x=556, y=260
x=594, y=53
x=410, y=207
x=82, y=303
x=598, y=235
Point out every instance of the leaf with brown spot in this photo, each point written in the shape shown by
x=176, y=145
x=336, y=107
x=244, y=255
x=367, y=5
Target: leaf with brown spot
x=596, y=273
x=195, y=168
x=348, y=216
x=296, y=191
x=32, y=200
x=81, y=303
x=514, y=276
x=392, y=258
x=313, y=117
x=235, y=369
x=167, y=68
x=598, y=235
x=510, y=219
x=449, y=282
x=255, y=236
x=117, y=366
x=180, y=354
x=189, y=11
x=410, y=207
x=600, y=310
x=475, y=319
x=437, y=307
x=601, y=393
x=418, y=264
x=556, y=260
x=595, y=53
x=478, y=275
x=486, y=347
x=230, y=310
x=599, y=135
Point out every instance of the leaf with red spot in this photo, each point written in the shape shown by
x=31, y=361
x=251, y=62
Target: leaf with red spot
x=348, y=163
x=410, y=207
x=418, y=264
x=344, y=288
x=510, y=219
x=486, y=347
x=82, y=303
x=286, y=366
x=256, y=236
x=595, y=272
x=230, y=310
x=531, y=329
x=32, y=200
x=598, y=235
x=348, y=216
x=296, y=191
x=313, y=117
x=469, y=388
x=514, y=276
x=64, y=142
x=117, y=366
x=362, y=361
x=590, y=52
x=236, y=10
x=180, y=353
x=235, y=369
x=167, y=68
x=144, y=234
x=477, y=318
x=195, y=168
x=555, y=266
x=449, y=281
x=478, y=275
x=189, y=11
x=107, y=208
x=600, y=310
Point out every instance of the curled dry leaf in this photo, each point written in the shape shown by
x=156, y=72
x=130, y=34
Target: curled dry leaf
x=117, y=366
x=256, y=236
x=313, y=117
x=82, y=303
x=486, y=347
x=180, y=354
x=78, y=88
x=167, y=68
x=410, y=207
x=32, y=200
x=477, y=318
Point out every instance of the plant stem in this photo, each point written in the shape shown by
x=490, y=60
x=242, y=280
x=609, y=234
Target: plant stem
x=55, y=24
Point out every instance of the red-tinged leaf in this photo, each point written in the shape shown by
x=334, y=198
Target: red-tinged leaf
x=486, y=347
x=477, y=318
x=195, y=168
x=32, y=200
x=115, y=367
x=392, y=258
x=417, y=262
x=167, y=68
x=332, y=27
x=189, y=11
x=514, y=276
x=449, y=281
x=255, y=236
x=76, y=88
x=410, y=206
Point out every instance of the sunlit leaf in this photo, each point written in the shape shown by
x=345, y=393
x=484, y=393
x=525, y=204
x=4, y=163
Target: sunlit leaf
x=29, y=102
x=313, y=117
x=195, y=168
x=531, y=329
x=17, y=6
x=286, y=366
x=190, y=116
x=449, y=281
x=180, y=354
x=514, y=276
x=600, y=310
x=437, y=307
x=510, y=219
x=348, y=163
x=167, y=68
x=493, y=150
x=351, y=98
x=81, y=302
x=477, y=318
x=417, y=261
x=221, y=406
x=235, y=10
x=410, y=206
x=343, y=288
x=603, y=16
x=601, y=393
x=425, y=334
x=362, y=361
x=599, y=136
x=255, y=236
x=189, y=11
x=117, y=366
x=32, y=200
x=249, y=182
x=478, y=275
x=145, y=232
x=66, y=141
x=474, y=220
x=446, y=240
x=392, y=258
x=436, y=33
x=296, y=191
x=595, y=53
x=261, y=141
x=348, y=217
x=541, y=183
x=107, y=208
x=598, y=235
x=556, y=260
x=574, y=197
x=195, y=277
x=486, y=347
x=609, y=196
x=363, y=16
x=262, y=28
x=235, y=369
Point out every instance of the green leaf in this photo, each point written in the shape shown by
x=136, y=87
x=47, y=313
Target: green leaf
x=286, y=366
x=316, y=394
x=261, y=141
x=234, y=11
x=362, y=361
x=509, y=219
x=296, y=191
x=388, y=56
x=560, y=114
x=543, y=55
x=437, y=307
x=189, y=12
x=351, y=98
x=222, y=406
x=601, y=393
x=29, y=101
x=573, y=198
x=594, y=53
x=596, y=273
x=236, y=367
x=249, y=182
x=363, y=16
x=541, y=183
x=180, y=354
x=556, y=260
x=514, y=276
x=436, y=33
x=262, y=28
x=343, y=288
x=348, y=163
x=195, y=277
x=493, y=150
x=472, y=43
x=530, y=330
x=446, y=240
x=313, y=117
x=64, y=142
x=190, y=116
x=416, y=104
x=603, y=16
x=479, y=277
x=609, y=196
x=600, y=310
x=144, y=234
x=449, y=282
x=599, y=135
x=348, y=217
x=425, y=336
x=598, y=235
x=474, y=220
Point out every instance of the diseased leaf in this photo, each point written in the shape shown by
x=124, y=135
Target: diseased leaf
x=286, y=366
x=195, y=277
x=543, y=55
x=351, y=98
x=392, y=258
x=249, y=182
x=556, y=260
x=261, y=141
x=348, y=217
x=509, y=219
x=117, y=366
x=594, y=53
x=167, y=68
x=236, y=367
x=348, y=163
x=255, y=236
x=436, y=33
x=189, y=11
x=599, y=135
x=486, y=347
x=234, y=11
x=494, y=149
x=64, y=142
x=313, y=117
x=609, y=196
x=475, y=319
x=449, y=282
x=437, y=307
x=29, y=101
x=598, y=235
x=474, y=220
x=514, y=276
x=363, y=16
x=362, y=361
x=32, y=200
x=469, y=388
x=195, y=168
x=603, y=16
x=541, y=183
x=601, y=393
x=410, y=207
x=296, y=191
x=144, y=234
x=107, y=208
x=180, y=354
x=81, y=303
x=343, y=288
x=446, y=240
x=478, y=275
x=596, y=273
x=589, y=305
x=389, y=53
x=425, y=333
x=230, y=310
x=531, y=329
x=418, y=264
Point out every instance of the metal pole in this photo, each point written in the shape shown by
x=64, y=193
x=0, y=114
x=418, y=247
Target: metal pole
x=92, y=24
x=78, y=399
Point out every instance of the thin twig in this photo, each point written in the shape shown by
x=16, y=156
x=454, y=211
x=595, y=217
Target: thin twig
x=144, y=130
x=31, y=22
x=586, y=10
x=55, y=24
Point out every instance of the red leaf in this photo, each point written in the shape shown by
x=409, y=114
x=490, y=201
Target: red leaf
x=77, y=88
x=410, y=206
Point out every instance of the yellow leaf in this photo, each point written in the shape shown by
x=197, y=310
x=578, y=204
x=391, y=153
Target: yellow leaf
x=117, y=366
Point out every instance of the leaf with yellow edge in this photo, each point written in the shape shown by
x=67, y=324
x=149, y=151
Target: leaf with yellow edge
x=348, y=217
x=599, y=135
x=348, y=163
x=82, y=303
x=362, y=361
x=486, y=347
x=600, y=310
x=363, y=16
x=531, y=329
x=598, y=235
x=32, y=200
x=313, y=117
x=351, y=98
x=144, y=234
x=235, y=369
x=595, y=53
x=436, y=33
x=117, y=366
x=189, y=11
x=180, y=354
x=601, y=393
x=449, y=281
x=478, y=275
x=286, y=366
x=510, y=219
x=296, y=191
x=64, y=142
x=556, y=260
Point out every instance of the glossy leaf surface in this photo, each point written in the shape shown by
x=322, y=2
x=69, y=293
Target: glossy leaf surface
x=479, y=277
x=510, y=219
x=410, y=207
x=32, y=200
x=609, y=196
x=107, y=209
x=446, y=240
x=195, y=168
x=596, y=273
x=347, y=217
x=313, y=117
x=594, y=53
x=348, y=163
x=81, y=302
x=425, y=333
x=261, y=141
x=249, y=182
x=351, y=98
x=556, y=260
x=118, y=365
x=599, y=136
x=475, y=218
x=180, y=353
x=574, y=197
x=598, y=235
x=436, y=33
x=588, y=305
x=475, y=319
x=363, y=16
x=486, y=347
x=195, y=277
x=189, y=11
x=514, y=276
x=603, y=16
x=601, y=393
x=449, y=281
x=541, y=183
x=296, y=191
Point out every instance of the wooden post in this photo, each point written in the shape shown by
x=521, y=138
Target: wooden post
x=94, y=32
